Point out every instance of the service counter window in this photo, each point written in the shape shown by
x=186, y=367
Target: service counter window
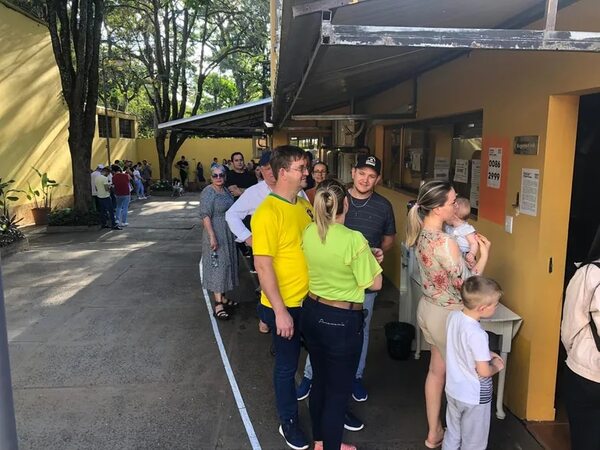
x=441, y=149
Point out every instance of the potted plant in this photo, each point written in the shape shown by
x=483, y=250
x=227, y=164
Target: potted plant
x=44, y=205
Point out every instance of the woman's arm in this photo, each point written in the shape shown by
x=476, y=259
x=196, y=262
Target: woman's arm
x=377, y=283
x=214, y=244
x=484, y=250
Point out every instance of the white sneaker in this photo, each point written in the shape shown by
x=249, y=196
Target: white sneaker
x=124, y=224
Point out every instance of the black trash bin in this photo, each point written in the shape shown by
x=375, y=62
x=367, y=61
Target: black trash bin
x=399, y=339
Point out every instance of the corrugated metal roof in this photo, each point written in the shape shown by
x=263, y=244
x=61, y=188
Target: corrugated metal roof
x=339, y=74
x=245, y=120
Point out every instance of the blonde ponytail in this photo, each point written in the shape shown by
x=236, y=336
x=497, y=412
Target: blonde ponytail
x=328, y=204
x=432, y=194
x=414, y=225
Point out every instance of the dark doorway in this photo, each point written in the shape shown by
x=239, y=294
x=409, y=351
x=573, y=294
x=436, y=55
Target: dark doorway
x=584, y=218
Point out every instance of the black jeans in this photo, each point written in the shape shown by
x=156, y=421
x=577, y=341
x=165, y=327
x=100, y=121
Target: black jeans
x=106, y=212
x=334, y=339
x=583, y=407
x=287, y=352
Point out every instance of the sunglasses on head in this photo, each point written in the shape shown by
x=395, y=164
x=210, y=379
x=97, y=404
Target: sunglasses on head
x=218, y=175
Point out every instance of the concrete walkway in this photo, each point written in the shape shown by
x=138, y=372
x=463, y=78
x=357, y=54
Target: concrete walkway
x=112, y=348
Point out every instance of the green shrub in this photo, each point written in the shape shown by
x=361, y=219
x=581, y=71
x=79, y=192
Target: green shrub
x=72, y=217
x=9, y=232
x=162, y=185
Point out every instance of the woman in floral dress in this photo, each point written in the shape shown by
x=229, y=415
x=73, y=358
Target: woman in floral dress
x=443, y=271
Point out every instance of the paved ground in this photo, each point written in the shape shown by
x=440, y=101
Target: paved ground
x=112, y=348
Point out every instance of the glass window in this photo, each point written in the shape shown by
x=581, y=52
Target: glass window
x=126, y=128
x=105, y=126
x=440, y=149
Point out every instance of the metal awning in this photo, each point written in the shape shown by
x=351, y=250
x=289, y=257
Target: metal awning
x=333, y=52
x=241, y=121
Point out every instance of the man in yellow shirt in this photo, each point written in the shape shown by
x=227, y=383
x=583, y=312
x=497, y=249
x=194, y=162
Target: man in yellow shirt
x=277, y=227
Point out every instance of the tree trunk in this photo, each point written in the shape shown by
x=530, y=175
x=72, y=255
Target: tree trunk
x=166, y=156
x=80, y=147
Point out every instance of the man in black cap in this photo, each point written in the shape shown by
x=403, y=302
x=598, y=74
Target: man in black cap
x=372, y=215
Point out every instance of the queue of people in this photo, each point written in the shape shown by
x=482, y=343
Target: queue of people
x=318, y=254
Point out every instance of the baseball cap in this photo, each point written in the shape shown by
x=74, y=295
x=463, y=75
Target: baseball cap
x=100, y=166
x=265, y=158
x=368, y=161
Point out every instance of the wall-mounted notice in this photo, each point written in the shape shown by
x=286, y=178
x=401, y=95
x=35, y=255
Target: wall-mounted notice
x=530, y=186
x=475, y=175
x=461, y=171
x=494, y=167
x=441, y=168
x=415, y=159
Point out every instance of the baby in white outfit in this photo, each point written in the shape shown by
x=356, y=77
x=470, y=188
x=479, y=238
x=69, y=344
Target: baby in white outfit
x=463, y=232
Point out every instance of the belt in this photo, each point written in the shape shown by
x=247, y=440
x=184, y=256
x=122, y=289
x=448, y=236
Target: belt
x=336, y=303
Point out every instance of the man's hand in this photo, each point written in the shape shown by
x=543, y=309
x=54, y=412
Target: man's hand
x=378, y=254
x=235, y=191
x=284, y=324
x=249, y=241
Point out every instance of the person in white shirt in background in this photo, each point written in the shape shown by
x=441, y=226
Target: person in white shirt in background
x=93, y=176
x=139, y=183
x=247, y=203
x=470, y=366
x=579, y=335
x=462, y=231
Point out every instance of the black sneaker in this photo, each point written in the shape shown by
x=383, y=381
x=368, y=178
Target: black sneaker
x=116, y=228
x=352, y=423
x=293, y=435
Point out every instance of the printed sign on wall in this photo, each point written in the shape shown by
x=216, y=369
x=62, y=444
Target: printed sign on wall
x=494, y=177
x=494, y=168
x=461, y=171
x=530, y=186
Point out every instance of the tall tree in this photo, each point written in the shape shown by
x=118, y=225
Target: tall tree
x=181, y=42
x=75, y=33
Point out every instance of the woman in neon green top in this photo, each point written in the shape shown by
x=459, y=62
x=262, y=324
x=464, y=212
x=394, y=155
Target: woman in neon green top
x=340, y=267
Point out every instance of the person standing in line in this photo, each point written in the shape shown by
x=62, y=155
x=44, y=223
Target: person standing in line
x=372, y=215
x=215, y=162
x=219, y=257
x=183, y=167
x=146, y=173
x=443, y=271
x=200, y=173
x=139, y=184
x=246, y=205
x=319, y=172
x=277, y=227
x=340, y=267
x=238, y=178
x=93, y=176
x=122, y=186
x=470, y=367
x=579, y=335
x=106, y=207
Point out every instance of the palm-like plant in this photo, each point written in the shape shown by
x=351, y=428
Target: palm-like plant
x=47, y=185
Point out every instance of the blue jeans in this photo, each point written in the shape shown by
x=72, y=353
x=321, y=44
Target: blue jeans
x=368, y=304
x=122, y=207
x=106, y=212
x=287, y=352
x=139, y=188
x=334, y=339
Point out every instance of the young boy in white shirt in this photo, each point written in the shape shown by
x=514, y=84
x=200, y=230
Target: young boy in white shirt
x=470, y=366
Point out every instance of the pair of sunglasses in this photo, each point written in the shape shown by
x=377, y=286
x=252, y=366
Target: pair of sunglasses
x=218, y=175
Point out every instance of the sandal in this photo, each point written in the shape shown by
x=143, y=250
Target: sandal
x=221, y=314
x=230, y=303
x=263, y=327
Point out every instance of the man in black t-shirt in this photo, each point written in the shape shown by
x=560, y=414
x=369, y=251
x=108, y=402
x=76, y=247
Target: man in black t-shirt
x=238, y=178
x=183, y=167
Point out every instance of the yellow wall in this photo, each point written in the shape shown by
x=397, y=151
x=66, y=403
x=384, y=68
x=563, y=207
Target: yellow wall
x=197, y=150
x=33, y=115
x=520, y=93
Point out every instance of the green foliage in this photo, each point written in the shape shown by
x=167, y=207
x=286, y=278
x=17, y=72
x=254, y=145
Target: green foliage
x=9, y=232
x=72, y=217
x=47, y=186
x=162, y=185
x=7, y=196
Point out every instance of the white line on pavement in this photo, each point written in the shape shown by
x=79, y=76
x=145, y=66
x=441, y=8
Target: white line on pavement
x=230, y=376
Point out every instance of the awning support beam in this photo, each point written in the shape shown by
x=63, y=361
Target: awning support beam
x=390, y=116
x=457, y=38
x=323, y=5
